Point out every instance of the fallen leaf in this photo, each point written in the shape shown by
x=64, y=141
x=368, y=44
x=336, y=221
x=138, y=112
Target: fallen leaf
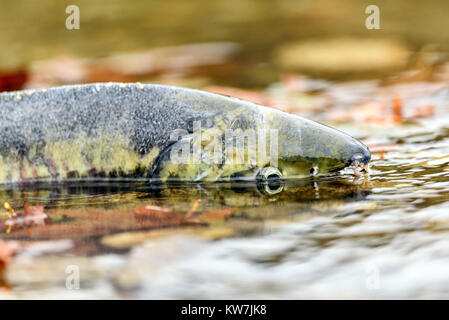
x=193, y=209
x=424, y=111
x=253, y=96
x=82, y=223
x=32, y=215
x=214, y=215
x=10, y=81
x=295, y=83
x=130, y=67
x=5, y=256
x=154, y=211
x=60, y=70
x=169, y=59
x=397, y=110
x=283, y=102
x=381, y=147
x=158, y=215
x=373, y=112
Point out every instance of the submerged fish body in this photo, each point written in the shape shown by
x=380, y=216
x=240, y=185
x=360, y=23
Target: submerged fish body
x=160, y=133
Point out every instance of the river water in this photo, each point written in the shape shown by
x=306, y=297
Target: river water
x=382, y=235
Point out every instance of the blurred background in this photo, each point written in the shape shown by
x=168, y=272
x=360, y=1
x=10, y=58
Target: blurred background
x=384, y=235
x=244, y=43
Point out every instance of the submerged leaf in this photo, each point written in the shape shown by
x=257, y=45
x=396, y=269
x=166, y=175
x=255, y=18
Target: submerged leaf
x=5, y=256
x=214, y=215
x=32, y=215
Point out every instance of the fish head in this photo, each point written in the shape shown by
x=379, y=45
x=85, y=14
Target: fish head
x=239, y=140
x=308, y=148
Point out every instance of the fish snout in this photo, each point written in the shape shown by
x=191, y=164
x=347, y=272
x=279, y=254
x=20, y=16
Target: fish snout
x=360, y=157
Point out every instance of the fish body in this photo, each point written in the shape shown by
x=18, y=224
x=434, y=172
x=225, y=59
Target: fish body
x=160, y=133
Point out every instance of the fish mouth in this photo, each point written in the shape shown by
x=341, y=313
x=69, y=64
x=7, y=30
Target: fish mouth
x=360, y=168
x=359, y=162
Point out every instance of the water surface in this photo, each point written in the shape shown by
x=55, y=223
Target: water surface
x=382, y=235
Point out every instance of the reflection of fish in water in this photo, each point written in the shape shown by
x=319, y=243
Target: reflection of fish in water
x=247, y=194
x=125, y=131
x=180, y=196
x=86, y=211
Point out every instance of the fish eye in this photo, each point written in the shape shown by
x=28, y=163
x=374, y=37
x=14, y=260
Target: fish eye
x=269, y=174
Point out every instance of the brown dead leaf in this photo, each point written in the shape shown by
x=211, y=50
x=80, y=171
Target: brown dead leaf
x=373, y=112
x=159, y=215
x=178, y=59
x=31, y=216
x=381, y=147
x=60, y=70
x=97, y=73
x=81, y=223
x=397, y=114
x=193, y=209
x=215, y=215
x=10, y=81
x=130, y=67
x=156, y=214
x=365, y=112
x=154, y=211
x=253, y=96
x=5, y=256
x=424, y=111
x=284, y=103
x=33, y=211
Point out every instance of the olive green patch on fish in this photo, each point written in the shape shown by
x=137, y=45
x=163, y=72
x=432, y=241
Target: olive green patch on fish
x=10, y=167
x=3, y=169
x=83, y=156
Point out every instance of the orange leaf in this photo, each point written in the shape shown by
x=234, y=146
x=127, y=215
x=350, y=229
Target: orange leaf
x=193, y=209
x=158, y=216
x=152, y=210
x=216, y=214
x=5, y=256
x=397, y=110
x=253, y=96
x=424, y=111
x=32, y=215
x=32, y=210
x=10, y=81
x=155, y=213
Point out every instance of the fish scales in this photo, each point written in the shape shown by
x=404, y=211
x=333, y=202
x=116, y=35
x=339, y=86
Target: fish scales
x=115, y=130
